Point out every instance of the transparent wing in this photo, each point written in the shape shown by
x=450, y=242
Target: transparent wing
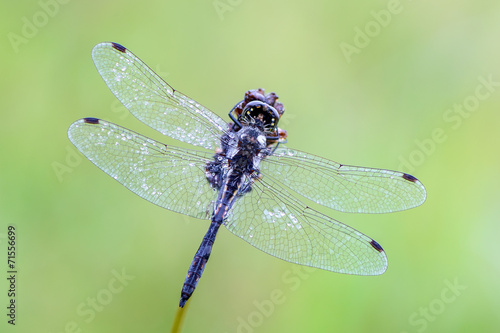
x=272, y=220
x=153, y=101
x=167, y=176
x=343, y=187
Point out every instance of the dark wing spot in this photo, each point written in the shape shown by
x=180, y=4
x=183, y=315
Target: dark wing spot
x=119, y=47
x=409, y=177
x=376, y=246
x=91, y=120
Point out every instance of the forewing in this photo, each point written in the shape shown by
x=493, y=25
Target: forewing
x=167, y=176
x=343, y=187
x=153, y=101
x=272, y=220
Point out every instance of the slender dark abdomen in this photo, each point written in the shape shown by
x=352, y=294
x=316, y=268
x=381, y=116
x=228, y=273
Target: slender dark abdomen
x=224, y=202
x=198, y=264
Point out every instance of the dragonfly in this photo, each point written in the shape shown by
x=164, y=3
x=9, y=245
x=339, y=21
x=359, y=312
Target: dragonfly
x=244, y=178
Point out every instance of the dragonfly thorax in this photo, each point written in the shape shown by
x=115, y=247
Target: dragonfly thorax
x=251, y=139
x=249, y=149
x=241, y=152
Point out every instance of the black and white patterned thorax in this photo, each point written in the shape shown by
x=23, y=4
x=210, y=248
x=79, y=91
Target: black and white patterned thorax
x=236, y=164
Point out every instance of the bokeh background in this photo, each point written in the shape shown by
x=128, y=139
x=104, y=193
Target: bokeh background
x=407, y=85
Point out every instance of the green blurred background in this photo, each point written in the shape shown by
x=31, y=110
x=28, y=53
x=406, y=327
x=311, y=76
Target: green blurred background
x=376, y=83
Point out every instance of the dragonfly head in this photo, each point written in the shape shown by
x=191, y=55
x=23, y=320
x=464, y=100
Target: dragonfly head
x=260, y=110
x=261, y=114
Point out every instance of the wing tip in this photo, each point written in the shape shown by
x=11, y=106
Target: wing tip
x=417, y=182
x=381, y=269
x=102, y=47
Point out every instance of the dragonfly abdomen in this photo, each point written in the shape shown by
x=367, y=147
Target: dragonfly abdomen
x=198, y=264
x=224, y=202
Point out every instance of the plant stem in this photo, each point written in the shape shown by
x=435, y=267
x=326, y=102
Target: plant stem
x=179, y=318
